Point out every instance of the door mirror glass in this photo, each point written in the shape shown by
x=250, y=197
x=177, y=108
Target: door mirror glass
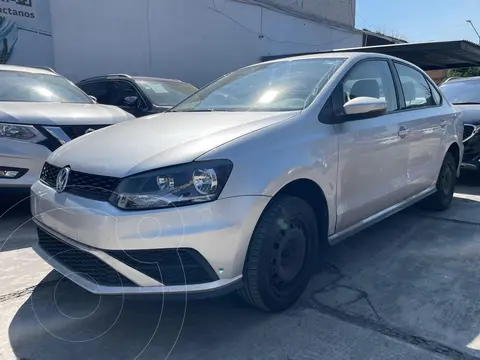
x=365, y=105
x=93, y=98
x=131, y=101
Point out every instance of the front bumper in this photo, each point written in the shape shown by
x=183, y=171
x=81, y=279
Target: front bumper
x=22, y=155
x=219, y=232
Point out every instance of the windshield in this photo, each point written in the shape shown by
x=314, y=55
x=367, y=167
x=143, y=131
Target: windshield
x=30, y=87
x=166, y=93
x=278, y=86
x=462, y=92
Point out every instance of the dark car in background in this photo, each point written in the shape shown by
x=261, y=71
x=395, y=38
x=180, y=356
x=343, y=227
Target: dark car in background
x=140, y=96
x=464, y=93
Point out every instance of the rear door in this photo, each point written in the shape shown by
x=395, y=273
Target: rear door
x=373, y=157
x=425, y=120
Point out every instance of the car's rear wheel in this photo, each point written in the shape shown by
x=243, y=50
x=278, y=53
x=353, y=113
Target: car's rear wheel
x=281, y=255
x=446, y=181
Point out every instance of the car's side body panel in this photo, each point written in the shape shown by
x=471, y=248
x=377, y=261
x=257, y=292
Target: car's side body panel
x=373, y=162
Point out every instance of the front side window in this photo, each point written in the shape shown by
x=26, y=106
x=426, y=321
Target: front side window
x=371, y=78
x=462, y=92
x=96, y=88
x=113, y=92
x=416, y=90
x=32, y=87
x=165, y=93
x=277, y=86
x=122, y=93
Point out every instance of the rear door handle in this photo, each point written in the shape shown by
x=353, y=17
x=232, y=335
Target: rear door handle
x=403, y=131
x=443, y=124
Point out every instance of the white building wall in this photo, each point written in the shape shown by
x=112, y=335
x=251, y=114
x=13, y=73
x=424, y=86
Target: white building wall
x=338, y=11
x=29, y=41
x=192, y=40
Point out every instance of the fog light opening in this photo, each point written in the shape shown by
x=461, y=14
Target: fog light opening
x=11, y=173
x=8, y=174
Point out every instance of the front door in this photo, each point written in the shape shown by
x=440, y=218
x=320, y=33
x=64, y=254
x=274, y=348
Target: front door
x=373, y=153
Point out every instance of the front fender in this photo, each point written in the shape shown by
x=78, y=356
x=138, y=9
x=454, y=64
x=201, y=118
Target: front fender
x=272, y=158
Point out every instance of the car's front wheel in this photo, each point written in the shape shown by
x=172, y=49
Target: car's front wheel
x=281, y=255
x=446, y=181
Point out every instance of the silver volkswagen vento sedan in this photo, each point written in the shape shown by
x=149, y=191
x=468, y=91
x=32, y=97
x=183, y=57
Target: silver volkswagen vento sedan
x=236, y=187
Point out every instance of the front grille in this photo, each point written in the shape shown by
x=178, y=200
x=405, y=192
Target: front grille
x=468, y=131
x=169, y=266
x=96, y=187
x=74, y=131
x=49, y=174
x=81, y=263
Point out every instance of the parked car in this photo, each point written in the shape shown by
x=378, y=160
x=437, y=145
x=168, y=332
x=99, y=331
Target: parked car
x=139, y=96
x=39, y=111
x=238, y=185
x=464, y=93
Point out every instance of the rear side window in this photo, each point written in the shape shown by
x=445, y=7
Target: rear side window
x=436, y=95
x=416, y=90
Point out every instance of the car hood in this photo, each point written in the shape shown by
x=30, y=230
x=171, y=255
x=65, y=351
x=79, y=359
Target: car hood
x=158, y=140
x=470, y=114
x=38, y=113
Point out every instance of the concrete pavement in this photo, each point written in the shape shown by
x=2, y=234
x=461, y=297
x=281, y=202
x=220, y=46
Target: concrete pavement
x=407, y=288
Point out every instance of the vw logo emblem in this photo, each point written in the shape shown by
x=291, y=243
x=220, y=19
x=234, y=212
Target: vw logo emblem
x=62, y=179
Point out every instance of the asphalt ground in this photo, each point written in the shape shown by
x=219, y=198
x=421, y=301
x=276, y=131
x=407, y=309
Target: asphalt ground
x=406, y=288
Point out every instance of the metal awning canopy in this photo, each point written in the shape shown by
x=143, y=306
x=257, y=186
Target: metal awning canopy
x=428, y=56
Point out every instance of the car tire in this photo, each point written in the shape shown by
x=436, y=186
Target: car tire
x=281, y=256
x=446, y=181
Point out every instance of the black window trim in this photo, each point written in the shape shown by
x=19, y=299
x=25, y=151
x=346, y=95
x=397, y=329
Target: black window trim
x=404, y=109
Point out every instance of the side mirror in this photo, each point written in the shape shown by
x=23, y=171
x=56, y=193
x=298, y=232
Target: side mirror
x=365, y=107
x=93, y=98
x=131, y=101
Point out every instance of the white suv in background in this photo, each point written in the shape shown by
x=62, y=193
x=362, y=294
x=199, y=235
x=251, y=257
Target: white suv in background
x=39, y=111
x=236, y=187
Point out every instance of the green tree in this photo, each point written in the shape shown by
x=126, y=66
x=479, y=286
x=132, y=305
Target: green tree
x=465, y=72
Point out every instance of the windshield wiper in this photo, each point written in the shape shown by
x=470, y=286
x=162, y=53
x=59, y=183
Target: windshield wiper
x=466, y=103
x=194, y=110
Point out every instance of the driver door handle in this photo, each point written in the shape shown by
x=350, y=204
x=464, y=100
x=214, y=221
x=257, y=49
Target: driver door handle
x=443, y=124
x=403, y=131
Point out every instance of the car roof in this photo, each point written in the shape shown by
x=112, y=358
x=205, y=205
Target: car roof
x=462, y=79
x=128, y=77
x=32, y=70
x=342, y=55
x=146, y=78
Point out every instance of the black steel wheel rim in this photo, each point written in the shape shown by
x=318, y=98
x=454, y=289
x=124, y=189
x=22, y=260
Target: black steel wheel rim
x=288, y=256
x=446, y=180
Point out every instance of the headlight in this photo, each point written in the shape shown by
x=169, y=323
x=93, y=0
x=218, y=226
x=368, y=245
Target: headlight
x=180, y=185
x=20, y=132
